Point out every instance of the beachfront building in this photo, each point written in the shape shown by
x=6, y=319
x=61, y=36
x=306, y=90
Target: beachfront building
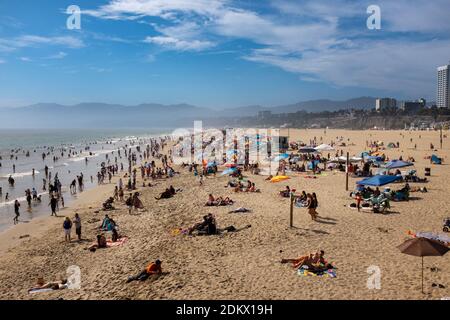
x=443, y=88
x=413, y=106
x=385, y=103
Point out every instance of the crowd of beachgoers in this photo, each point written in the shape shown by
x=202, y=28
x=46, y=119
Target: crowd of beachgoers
x=158, y=211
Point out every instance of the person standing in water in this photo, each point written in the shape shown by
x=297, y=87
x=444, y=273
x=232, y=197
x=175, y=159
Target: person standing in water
x=16, y=210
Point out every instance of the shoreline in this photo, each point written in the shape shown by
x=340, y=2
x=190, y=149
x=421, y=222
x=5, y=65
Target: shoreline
x=39, y=226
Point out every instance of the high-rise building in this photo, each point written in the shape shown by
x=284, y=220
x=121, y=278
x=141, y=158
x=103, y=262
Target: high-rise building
x=443, y=88
x=385, y=103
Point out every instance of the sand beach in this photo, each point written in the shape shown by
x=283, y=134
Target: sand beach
x=245, y=264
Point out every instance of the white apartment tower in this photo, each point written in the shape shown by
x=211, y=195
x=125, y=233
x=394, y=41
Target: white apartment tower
x=443, y=89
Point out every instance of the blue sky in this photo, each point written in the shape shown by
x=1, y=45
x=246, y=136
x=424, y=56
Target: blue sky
x=219, y=53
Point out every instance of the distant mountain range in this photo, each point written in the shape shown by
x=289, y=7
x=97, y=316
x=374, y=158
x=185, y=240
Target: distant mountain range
x=102, y=115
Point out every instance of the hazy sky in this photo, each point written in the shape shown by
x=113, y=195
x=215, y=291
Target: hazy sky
x=219, y=53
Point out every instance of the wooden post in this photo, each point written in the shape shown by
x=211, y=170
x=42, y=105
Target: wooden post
x=291, y=212
x=346, y=172
x=441, y=136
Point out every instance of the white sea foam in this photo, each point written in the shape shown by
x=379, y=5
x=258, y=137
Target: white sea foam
x=20, y=174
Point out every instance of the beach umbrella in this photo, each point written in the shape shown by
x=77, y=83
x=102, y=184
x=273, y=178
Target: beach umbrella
x=394, y=164
x=279, y=178
x=307, y=150
x=324, y=147
x=281, y=157
x=378, y=180
x=229, y=171
x=423, y=247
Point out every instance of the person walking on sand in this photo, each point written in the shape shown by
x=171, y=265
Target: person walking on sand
x=67, y=226
x=16, y=211
x=53, y=204
x=310, y=206
x=316, y=204
x=77, y=223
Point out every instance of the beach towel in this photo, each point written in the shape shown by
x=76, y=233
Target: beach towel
x=431, y=235
x=303, y=271
x=119, y=242
x=177, y=231
x=40, y=290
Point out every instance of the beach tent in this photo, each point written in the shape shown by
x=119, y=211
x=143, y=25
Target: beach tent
x=395, y=164
x=279, y=178
x=324, y=147
x=435, y=159
x=378, y=180
x=307, y=150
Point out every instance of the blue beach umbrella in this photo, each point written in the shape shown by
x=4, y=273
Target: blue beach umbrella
x=394, y=164
x=378, y=180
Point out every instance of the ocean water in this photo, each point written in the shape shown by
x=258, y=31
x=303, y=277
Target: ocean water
x=15, y=144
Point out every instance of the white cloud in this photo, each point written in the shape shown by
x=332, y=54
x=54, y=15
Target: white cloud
x=25, y=59
x=35, y=41
x=2, y=61
x=321, y=41
x=59, y=55
x=178, y=44
x=134, y=9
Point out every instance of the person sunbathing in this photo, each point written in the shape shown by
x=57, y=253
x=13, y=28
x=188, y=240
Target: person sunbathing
x=300, y=261
x=56, y=285
x=211, y=201
x=199, y=226
x=153, y=268
x=165, y=195
x=224, y=202
x=239, y=187
x=101, y=243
